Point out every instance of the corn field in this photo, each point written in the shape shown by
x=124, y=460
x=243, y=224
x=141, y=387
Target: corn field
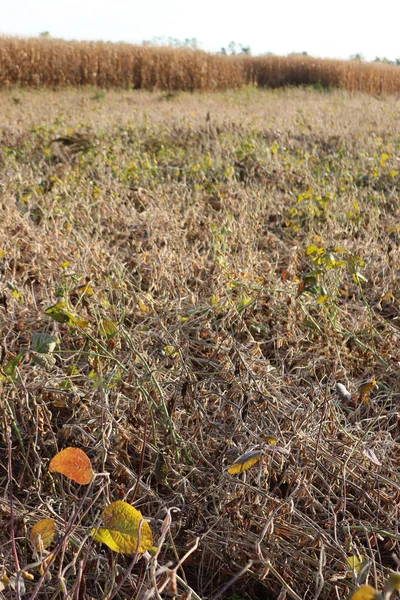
x=57, y=63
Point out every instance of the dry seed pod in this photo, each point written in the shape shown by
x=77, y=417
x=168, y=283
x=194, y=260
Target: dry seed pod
x=342, y=392
x=161, y=468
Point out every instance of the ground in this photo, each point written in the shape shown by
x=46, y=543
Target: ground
x=225, y=261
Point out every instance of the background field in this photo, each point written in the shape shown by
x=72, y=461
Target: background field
x=38, y=62
x=242, y=253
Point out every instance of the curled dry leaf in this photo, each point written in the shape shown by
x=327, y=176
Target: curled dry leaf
x=74, y=464
x=342, y=392
x=370, y=454
x=244, y=462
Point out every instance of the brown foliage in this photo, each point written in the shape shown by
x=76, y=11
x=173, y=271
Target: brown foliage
x=37, y=62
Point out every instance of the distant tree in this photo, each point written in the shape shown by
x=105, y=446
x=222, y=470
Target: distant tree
x=173, y=42
x=246, y=50
x=234, y=48
x=45, y=34
x=191, y=43
x=385, y=60
x=357, y=56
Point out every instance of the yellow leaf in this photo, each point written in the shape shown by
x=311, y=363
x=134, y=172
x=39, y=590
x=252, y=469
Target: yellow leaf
x=121, y=533
x=384, y=158
x=243, y=302
x=170, y=351
x=4, y=582
x=356, y=564
x=271, y=439
x=387, y=296
x=17, y=295
x=244, y=462
x=321, y=299
x=365, y=389
x=214, y=300
x=79, y=322
x=74, y=464
x=1, y=253
x=313, y=249
x=109, y=329
x=393, y=583
x=42, y=534
x=364, y=592
x=142, y=306
x=85, y=289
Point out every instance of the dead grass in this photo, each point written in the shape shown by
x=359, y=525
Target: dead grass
x=190, y=216
x=33, y=62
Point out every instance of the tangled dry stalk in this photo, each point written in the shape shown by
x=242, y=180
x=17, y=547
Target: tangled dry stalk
x=189, y=216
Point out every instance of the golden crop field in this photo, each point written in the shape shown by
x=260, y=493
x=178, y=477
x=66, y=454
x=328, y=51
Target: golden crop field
x=38, y=62
x=200, y=320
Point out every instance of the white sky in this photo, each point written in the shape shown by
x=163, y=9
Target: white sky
x=321, y=28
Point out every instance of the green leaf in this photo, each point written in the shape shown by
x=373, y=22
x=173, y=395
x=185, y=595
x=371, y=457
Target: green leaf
x=47, y=361
x=10, y=367
x=60, y=313
x=243, y=303
x=43, y=343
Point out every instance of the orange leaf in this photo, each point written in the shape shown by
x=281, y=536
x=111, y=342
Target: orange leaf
x=74, y=464
x=284, y=275
x=300, y=288
x=42, y=534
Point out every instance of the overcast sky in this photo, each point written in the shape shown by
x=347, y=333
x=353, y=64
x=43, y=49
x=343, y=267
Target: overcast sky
x=327, y=29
